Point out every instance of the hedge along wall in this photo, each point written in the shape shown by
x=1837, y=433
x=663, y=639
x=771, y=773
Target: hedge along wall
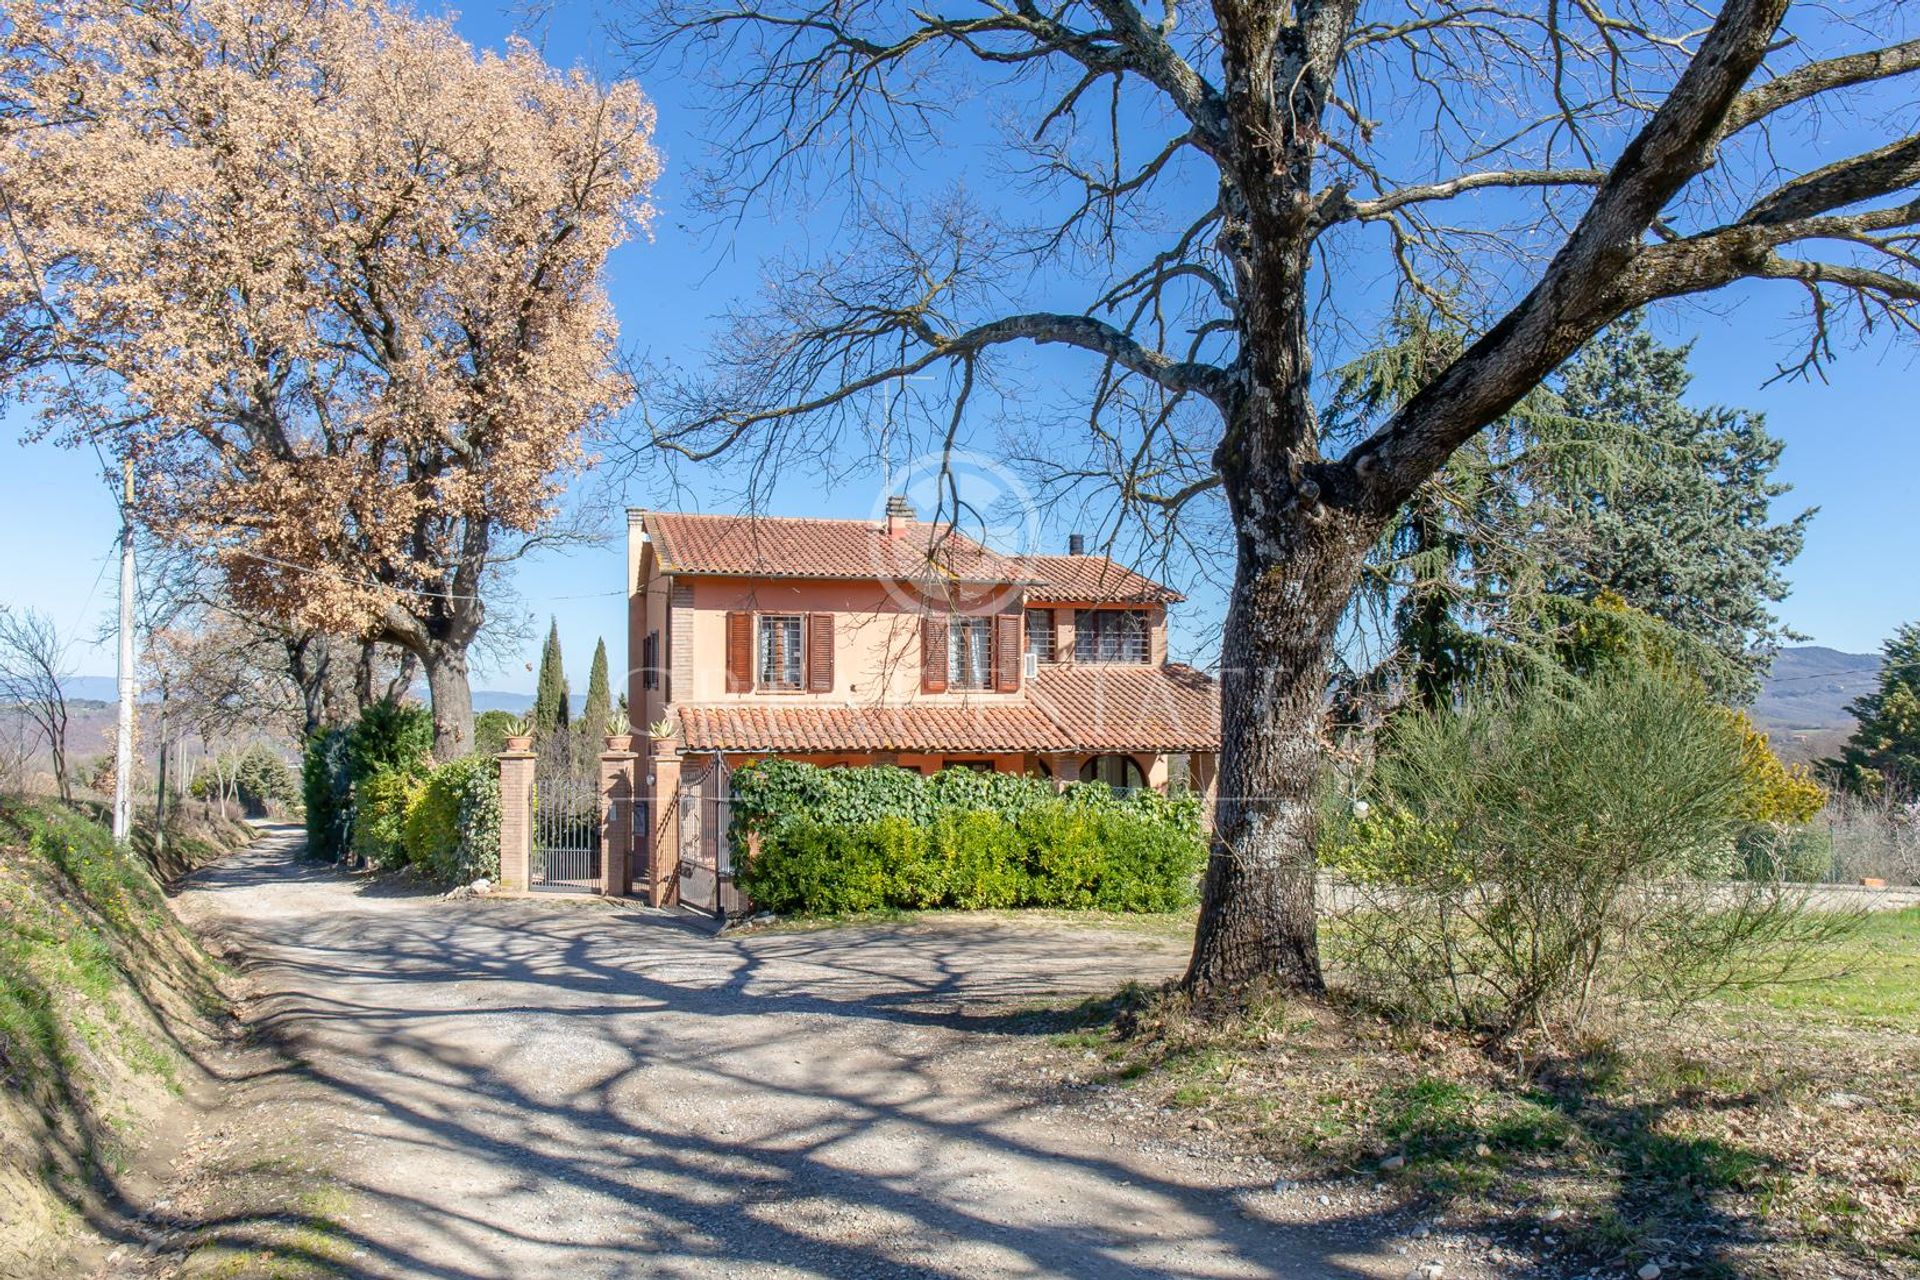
x=841, y=840
x=374, y=791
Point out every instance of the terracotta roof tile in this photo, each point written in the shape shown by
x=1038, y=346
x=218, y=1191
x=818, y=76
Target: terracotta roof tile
x=1090, y=708
x=1123, y=706
x=977, y=727
x=786, y=547
x=1093, y=580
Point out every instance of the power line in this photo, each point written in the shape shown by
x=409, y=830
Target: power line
x=370, y=585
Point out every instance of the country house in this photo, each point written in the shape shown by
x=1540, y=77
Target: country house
x=899, y=641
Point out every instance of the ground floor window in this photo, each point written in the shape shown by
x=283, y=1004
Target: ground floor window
x=1122, y=773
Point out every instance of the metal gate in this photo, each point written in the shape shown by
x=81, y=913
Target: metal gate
x=706, y=848
x=566, y=834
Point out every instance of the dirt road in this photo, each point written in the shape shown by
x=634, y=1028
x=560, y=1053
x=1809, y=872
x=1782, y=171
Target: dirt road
x=532, y=1089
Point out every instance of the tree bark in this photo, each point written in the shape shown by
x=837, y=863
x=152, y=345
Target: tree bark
x=57, y=744
x=451, y=696
x=1257, y=914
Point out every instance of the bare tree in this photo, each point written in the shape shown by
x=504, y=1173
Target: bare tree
x=33, y=674
x=1222, y=193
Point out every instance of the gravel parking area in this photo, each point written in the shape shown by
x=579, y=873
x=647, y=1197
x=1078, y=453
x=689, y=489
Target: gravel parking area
x=578, y=1089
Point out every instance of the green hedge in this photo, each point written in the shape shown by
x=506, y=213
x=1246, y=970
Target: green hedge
x=373, y=790
x=326, y=785
x=453, y=829
x=844, y=840
x=380, y=807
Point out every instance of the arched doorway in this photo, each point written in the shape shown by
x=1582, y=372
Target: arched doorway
x=1122, y=773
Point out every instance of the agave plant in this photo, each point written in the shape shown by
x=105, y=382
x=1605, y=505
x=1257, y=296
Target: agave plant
x=662, y=728
x=617, y=724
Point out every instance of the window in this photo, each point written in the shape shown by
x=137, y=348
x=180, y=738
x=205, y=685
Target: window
x=1122, y=773
x=970, y=653
x=780, y=653
x=1040, y=634
x=1110, y=635
x=650, y=661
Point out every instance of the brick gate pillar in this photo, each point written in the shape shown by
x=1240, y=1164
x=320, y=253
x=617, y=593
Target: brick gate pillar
x=617, y=807
x=516, y=819
x=663, y=866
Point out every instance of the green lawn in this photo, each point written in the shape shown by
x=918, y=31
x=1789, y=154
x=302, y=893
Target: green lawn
x=1872, y=977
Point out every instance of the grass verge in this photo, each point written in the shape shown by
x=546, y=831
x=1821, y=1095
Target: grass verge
x=1772, y=1133
x=101, y=994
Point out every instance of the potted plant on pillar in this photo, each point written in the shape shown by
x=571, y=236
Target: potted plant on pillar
x=519, y=734
x=661, y=733
x=619, y=731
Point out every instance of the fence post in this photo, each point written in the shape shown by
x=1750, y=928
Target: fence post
x=663, y=867
x=616, y=823
x=516, y=820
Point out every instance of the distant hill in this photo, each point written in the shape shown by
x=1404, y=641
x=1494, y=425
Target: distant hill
x=1803, y=704
x=103, y=689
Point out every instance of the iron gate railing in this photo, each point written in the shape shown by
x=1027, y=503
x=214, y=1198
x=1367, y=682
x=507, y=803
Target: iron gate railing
x=706, y=850
x=566, y=833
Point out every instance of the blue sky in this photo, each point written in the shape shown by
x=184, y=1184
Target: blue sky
x=1852, y=445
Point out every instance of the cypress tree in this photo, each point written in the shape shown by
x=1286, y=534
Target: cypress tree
x=593, y=719
x=551, y=711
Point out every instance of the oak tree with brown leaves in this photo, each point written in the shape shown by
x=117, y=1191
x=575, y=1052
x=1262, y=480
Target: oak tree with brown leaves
x=332, y=277
x=1201, y=198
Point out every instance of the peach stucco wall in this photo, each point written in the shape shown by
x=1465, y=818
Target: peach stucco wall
x=876, y=641
x=876, y=638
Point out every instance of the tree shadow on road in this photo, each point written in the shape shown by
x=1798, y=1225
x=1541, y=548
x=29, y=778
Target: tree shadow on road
x=621, y=1093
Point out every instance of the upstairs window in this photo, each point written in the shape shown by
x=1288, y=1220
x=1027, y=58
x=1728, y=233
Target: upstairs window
x=781, y=657
x=970, y=654
x=1110, y=635
x=1040, y=634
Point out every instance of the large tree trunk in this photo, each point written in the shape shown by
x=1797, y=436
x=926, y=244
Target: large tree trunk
x=309, y=663
x=452, y=699
x=1257, y=914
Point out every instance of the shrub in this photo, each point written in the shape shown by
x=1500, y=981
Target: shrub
x=810, y=866
x=390, y=735
x=1525, y=858
x=264, y=782
x=1150, y=866
x=860, y=839
x=491, y=730
x=452, y=830
x=1799, y=854
x=982, y=856
x=1065, y=858
x=380, y=806
x=338, y=767
x=326, y=787
x=919, y=872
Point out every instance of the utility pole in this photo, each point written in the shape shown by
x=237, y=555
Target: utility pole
x=123, y=761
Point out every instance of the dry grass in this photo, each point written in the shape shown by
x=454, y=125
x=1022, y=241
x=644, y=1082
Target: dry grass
x=1774, y=1135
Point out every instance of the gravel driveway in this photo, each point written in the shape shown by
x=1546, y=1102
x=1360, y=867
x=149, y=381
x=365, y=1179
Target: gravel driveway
x=572, y=1089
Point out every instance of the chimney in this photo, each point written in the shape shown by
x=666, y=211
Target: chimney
x=1076, y=545
x=899, y=515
